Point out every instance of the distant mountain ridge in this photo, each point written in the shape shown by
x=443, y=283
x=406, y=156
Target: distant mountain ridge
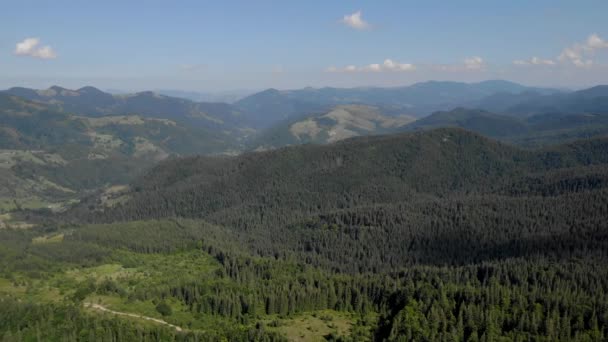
x=92, y=102
x=380, y=169
x=420, y=99
x=266, y=108
x=526, y=116
x=591, y=101
x=338, y=123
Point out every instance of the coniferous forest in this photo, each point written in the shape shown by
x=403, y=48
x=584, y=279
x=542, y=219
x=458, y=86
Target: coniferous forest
x=439, y=235
x=303, y=171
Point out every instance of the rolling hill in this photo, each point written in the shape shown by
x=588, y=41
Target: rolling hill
x=420, y=99
x=532, y=131
x=480, y=121
x=366, y=239
x=587, y=101
x=385, y=188
x=48, y=155
x=92, y=102
x=339, y=123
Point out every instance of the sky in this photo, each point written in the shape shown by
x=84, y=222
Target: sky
x=212, y=46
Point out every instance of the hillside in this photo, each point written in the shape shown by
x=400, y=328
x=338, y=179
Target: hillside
x=482, y=122
x=49, y=156
x=435, y=162
x=92, y=102
x=268, y=107
x=275, y=200
x=587, y=101
x=353, y=240
x=339, y=123
x=420, y=99
x=532, y=131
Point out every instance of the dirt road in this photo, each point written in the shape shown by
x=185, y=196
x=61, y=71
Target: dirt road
x=103, y=308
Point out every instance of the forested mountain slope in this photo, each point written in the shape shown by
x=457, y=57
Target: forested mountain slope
x=92, y=102
x=386, y=189
x=518, y=115
x=592, y=100
x=48, y=156
x=339, y=123
x=533, y=131
x=438, y=235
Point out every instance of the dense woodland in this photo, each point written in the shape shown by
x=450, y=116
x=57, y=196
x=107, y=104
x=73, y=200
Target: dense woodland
x=431, y=236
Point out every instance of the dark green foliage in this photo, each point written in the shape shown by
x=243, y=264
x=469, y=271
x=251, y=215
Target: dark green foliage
x=164, y=309
x=482, y=122
x=431, y=236
x=48, y=322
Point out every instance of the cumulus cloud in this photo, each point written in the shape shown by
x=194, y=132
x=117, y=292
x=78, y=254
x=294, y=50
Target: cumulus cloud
x=372, y=67
x=580, y=54
x=355, y=21
x=474, y=63
x=393, y=66
x=595, y=42
x=31, y=47
x=534, y=61
x=387, y=66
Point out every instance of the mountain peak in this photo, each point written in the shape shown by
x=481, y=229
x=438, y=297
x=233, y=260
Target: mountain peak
x=57, y=88
x=90, y=90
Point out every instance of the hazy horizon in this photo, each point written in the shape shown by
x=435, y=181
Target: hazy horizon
x=236, y=91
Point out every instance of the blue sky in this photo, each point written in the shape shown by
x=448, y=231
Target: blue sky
x=221, y=45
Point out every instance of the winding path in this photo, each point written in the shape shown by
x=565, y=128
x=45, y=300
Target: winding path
x=103, y=308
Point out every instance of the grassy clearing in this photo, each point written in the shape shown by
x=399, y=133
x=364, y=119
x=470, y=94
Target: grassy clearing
x=313, y=326
x=133, y=274
x=7, y=221
x=55, y=238
x=102, y=272
x=8, y=287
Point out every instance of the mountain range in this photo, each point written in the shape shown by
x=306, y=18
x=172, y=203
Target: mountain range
x=48, y=155
x=58, y=143
x=372, y=225
x=417, y=100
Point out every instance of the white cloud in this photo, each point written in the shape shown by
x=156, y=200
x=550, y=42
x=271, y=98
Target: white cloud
x=27, y=46
x=372, y=67
x=30, y=47
x=387, y=66
x=580, y=54
x=355, y=21
x=393, y=66
x=474, y=63
x=595, y=42
x=534, y=61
